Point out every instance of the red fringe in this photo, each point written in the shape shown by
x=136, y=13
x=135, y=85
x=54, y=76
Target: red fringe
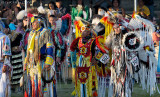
x=74, y=44
x=95, y=94
x=25, y=94
x=99, y=46
x=39, y=89
x=33, y=88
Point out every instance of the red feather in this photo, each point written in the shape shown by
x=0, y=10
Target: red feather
x=33, y=88
x=98, y=44
x=30, y=15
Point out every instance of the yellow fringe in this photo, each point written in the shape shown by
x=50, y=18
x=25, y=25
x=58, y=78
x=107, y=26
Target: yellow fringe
x=108, y=28
x=73, y=74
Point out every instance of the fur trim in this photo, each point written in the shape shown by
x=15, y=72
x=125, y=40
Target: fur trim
x=20, y=15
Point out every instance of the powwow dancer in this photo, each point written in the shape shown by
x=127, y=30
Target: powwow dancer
x=102, y=69
x=88, y=53
x=39, y=59
x=132, y=56
x=24, y=43
x=5, y=66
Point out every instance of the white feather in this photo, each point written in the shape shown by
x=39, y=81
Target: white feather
x=90, y=10
x=20, y=15
x=21, y=81
x=95, y=21
x=41, y=10
x=84, y=14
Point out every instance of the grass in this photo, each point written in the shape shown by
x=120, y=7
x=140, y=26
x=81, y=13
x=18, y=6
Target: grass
x=138, y=92
x=65, y=90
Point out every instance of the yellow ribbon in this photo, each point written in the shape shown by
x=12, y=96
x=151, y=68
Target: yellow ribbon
x=31, y=44
x=108, y=27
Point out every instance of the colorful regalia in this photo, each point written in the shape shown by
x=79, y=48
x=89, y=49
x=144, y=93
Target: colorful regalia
x=132, y=57
x=102, y=68
x=85, y=75
x=59, y=31
x=40, y=52
x=5, y=50
x=87, y=69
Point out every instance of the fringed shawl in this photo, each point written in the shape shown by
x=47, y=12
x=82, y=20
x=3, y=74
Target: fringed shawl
x=41, y=39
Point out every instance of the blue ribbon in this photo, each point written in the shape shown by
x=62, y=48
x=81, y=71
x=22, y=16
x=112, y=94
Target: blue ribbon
x=158, y=66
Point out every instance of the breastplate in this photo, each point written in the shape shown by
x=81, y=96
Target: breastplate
x=85, y=49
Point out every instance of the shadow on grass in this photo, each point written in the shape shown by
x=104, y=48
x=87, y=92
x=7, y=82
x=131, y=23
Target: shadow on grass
x=65, y=90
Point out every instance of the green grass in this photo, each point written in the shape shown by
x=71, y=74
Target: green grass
x=65, y=90
x=138, y=92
